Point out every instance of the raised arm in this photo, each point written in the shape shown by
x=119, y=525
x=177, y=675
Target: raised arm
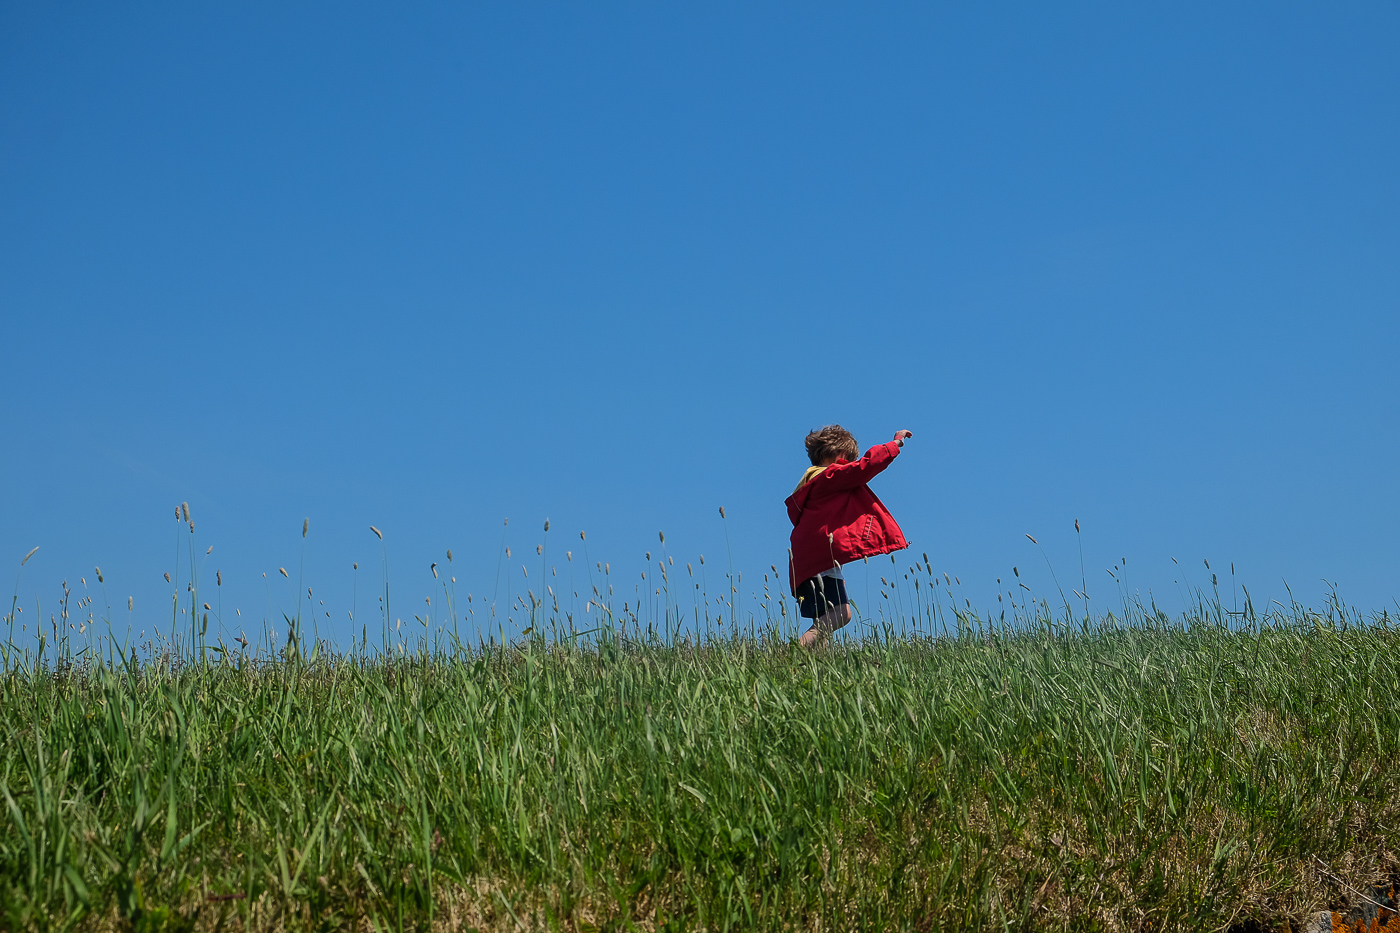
x=850, y=475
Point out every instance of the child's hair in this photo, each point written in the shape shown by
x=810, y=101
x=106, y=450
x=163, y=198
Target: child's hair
x=823, y=444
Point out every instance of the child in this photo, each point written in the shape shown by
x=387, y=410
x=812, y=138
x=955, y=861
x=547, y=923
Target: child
x=837, y=519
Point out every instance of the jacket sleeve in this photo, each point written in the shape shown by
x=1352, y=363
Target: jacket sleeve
x=850, y=475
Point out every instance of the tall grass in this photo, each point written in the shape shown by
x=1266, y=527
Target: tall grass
x=675, y=765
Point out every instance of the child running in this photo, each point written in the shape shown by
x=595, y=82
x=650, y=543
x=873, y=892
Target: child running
x=837, y=519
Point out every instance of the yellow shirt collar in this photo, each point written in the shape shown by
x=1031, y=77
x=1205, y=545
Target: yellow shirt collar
x=808, y=476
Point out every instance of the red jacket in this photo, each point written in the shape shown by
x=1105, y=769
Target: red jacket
x=837, y=519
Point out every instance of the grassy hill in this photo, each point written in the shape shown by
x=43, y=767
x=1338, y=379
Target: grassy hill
x=1052, y=774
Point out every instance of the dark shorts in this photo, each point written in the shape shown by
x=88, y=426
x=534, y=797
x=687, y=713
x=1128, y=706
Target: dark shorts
x=819, y=595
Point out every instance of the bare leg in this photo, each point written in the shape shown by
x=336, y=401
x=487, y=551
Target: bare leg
x=823, y=626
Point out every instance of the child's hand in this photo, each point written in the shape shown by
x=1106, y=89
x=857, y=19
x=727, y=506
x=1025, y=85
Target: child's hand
x=901, y=436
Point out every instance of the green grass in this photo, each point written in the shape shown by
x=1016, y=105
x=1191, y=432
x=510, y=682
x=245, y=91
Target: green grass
x=1036, y=773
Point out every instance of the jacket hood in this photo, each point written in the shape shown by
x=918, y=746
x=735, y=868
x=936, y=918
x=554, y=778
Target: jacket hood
x=798, y=500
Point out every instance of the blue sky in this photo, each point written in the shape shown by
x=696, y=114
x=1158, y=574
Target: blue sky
x=430, y=268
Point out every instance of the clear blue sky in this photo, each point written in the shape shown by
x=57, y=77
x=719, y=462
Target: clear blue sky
x=430, y=267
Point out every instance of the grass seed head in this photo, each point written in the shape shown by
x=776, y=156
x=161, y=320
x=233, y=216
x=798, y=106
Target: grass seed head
x=305, y=526
x=185, y=509
x=130, y=603
x=98, y=571
x=167, y=576
x=721, y=511
x=283, y=571
x=377, y=533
